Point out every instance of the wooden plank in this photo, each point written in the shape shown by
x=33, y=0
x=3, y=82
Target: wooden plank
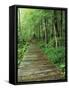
x=35, y=66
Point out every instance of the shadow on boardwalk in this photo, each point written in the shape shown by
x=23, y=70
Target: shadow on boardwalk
x=36, y=67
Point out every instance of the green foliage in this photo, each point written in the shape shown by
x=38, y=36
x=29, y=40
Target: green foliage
x=20, y=54
x=48, y=28
x=21, y=51
x=56, y=55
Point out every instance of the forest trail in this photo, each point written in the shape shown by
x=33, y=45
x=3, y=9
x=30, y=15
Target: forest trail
x=36, y=67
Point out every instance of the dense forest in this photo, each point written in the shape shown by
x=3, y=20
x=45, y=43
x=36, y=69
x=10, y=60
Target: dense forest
x=47, y=29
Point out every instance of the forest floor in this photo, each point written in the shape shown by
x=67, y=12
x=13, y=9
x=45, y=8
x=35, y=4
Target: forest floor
x=35, y=66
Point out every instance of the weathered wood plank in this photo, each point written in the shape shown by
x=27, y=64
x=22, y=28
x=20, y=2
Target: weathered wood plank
x=35, y=66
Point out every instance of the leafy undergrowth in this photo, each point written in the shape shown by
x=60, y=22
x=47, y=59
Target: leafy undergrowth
x=56, y=55
x=21, y=51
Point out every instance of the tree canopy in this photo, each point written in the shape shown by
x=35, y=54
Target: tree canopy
x=48, y=25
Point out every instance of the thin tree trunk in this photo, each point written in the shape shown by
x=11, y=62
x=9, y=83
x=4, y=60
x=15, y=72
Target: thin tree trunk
x=55, y=36
x=39, y=32
x=61, y=23
x=18, y=19
x=55, y=30
x=45, y=31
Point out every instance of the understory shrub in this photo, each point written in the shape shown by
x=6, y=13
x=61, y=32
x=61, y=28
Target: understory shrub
x=55, y=55
x=21, y=51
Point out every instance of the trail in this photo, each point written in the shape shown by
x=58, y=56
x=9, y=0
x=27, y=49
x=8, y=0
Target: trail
x=35, y=66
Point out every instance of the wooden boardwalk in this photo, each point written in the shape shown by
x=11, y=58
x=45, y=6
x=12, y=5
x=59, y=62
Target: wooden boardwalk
x=36, y=67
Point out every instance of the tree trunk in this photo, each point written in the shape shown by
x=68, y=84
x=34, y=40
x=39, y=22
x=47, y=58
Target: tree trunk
x=55, y=29
x=61, y=23
x=55, y=37
x=45, y=30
